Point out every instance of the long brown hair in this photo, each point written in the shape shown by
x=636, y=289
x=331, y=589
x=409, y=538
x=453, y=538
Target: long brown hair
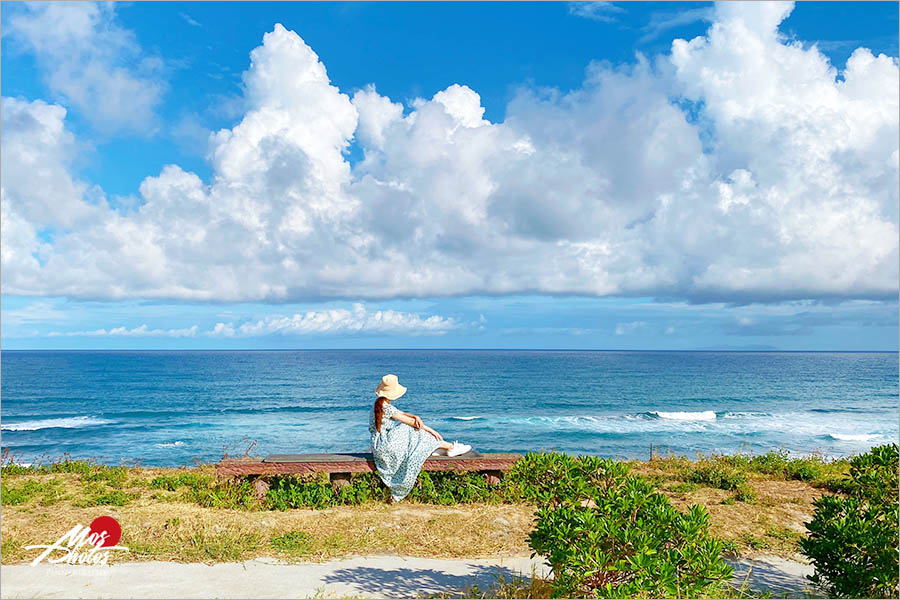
x=379, y=411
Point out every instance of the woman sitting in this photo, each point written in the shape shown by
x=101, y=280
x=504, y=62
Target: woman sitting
x=401, y=442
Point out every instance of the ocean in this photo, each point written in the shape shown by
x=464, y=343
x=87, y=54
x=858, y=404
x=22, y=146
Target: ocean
x=172, y=408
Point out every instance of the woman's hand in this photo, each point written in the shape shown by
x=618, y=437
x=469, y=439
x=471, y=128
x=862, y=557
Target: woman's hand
x=433, y=432
x=417, y=422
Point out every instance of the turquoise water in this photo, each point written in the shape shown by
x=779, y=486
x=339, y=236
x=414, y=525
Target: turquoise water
x=174, y=408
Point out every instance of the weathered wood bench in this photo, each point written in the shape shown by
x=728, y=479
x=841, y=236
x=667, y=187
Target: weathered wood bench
x=340, y=466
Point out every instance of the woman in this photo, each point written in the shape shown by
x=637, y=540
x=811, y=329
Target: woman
x=401, y=442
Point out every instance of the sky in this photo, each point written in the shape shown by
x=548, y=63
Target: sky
x=595, y=175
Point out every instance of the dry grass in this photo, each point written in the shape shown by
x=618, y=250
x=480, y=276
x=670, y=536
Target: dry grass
x=772, y=524
x=161, y=525
x=157, y=525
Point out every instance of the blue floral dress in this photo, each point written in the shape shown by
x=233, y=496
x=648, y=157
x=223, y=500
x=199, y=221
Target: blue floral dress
x=399, y=451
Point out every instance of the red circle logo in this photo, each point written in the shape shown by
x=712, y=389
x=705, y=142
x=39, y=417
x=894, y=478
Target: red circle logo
x=110, y=526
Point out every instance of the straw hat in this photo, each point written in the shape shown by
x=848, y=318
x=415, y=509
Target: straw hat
x=390, y=388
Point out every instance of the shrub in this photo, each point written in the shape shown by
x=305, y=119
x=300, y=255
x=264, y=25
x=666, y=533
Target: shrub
x=745, y=493
x=222, y=494
x=610, y=534
x=853, y=541
x=448, y=487
x=717, y=474
x=295, y=492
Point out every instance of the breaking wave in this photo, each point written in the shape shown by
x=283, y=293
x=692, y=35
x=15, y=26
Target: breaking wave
x=64, y=422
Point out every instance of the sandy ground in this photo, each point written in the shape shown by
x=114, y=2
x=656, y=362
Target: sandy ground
x=358, y=577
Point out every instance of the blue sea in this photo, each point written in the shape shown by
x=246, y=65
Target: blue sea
x=171, y=408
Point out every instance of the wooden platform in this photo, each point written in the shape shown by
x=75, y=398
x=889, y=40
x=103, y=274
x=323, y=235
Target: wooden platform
x=291, y=464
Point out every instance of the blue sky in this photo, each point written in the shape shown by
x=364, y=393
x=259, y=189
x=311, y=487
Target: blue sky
x=573, y=175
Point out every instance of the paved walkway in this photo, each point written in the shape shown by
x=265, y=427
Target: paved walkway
x=359, y=577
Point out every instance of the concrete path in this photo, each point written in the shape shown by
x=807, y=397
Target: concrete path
x=358, y=577
x=777, y=575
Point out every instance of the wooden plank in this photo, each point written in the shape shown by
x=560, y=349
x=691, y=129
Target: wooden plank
x=256, y=466
x=349, y=457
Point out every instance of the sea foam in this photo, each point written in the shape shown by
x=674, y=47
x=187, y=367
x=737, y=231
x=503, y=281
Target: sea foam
x=854, y=437
x=466, y=418
x=64, y=422
x=703, y=415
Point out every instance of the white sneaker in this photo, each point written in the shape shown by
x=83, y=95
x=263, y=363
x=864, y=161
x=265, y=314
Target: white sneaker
x=458, y=449
x=439, y=452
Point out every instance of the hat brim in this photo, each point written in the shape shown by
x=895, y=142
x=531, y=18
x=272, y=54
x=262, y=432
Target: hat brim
x=391, y=393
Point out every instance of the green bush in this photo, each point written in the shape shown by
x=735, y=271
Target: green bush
x=715, y=473
x=745, y=493
x=449, y=487
x=607, y=533
x=294, y=492
x=853, y=541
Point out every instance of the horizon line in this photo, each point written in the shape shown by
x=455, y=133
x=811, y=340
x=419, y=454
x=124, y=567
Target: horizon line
x=737, y=350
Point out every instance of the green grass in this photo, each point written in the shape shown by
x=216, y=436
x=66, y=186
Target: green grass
x=198, y=546
x=19, y=494
x=106, y=498
x=754, y=542
x=729, y=472
x=683, y=488
x=293, y=542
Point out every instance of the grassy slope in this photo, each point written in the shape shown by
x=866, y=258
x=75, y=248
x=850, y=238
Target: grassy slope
x=761, y=510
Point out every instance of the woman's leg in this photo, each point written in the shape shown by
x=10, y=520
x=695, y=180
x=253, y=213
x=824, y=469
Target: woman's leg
x=446, y=445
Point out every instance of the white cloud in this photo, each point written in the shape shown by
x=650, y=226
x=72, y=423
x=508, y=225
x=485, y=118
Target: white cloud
x=606, y=190
x=596, y=11
x=663, y=21
x=35, y=313
x=140, y=331
x=189, y=20
x=341, y=320
x=97, y=66
x=630, y=327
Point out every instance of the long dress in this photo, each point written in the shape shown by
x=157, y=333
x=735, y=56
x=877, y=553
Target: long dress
x=399, y=451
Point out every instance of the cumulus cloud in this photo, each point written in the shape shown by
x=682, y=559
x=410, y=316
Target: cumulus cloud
x=90, y=61
x=785, y=187
x=341, y=320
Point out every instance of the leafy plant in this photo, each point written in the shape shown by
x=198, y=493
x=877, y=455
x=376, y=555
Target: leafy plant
x=607, y=533
x=715, y=474
x=853, y=541
x=745, y=493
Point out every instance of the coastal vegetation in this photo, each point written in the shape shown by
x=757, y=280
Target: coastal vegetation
x=853, y=540
x=604, y=525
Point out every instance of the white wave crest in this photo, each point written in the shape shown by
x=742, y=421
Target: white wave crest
x=466, y=418
x=64, y=422
x=854, y=437
x=744, y=415
x=703, y=415
x=170, y=444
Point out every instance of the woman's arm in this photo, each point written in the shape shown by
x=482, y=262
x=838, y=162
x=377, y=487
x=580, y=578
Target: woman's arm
x=416, y=422
x=411, y=420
